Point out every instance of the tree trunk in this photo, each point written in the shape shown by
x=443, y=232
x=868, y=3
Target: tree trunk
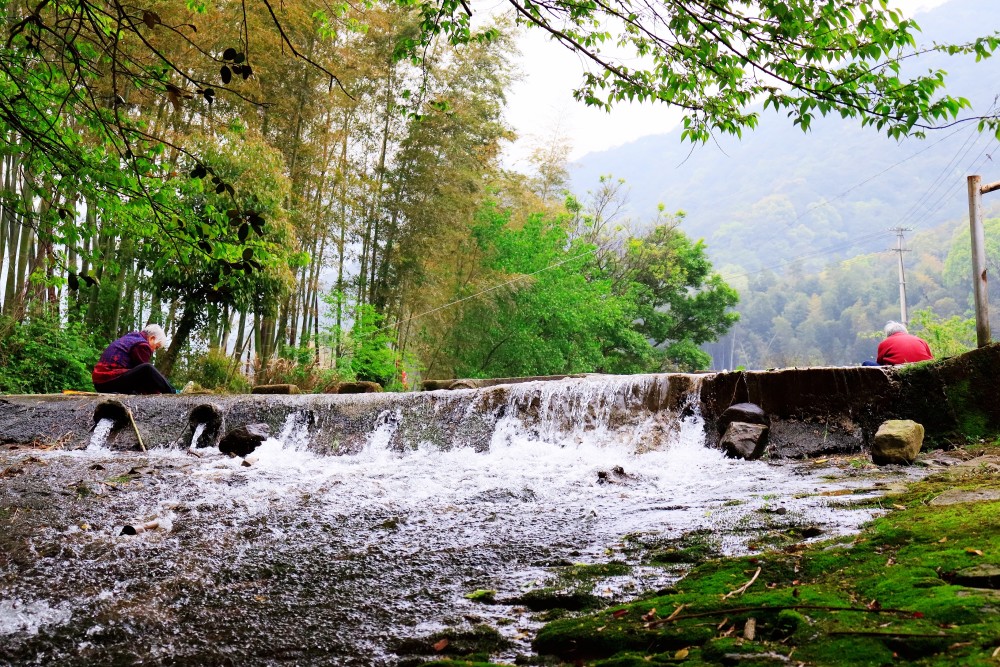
x=179, y=338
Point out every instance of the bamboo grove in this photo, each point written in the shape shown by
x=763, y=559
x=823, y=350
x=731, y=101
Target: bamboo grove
x=291, y=183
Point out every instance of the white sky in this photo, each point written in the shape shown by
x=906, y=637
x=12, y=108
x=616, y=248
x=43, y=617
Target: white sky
x=542, y=103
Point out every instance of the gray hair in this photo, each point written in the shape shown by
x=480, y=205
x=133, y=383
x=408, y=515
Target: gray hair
x=892, y=327
x=155, y=334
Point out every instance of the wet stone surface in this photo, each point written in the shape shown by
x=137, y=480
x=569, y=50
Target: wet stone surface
x=354, y=560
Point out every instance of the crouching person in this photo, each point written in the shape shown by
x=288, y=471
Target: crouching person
x=124, y=367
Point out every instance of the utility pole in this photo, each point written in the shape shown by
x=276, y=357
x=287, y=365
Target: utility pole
x=976, y=192
x=899, y=250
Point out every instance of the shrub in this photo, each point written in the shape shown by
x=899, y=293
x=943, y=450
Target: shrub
x=213, y=370
x=41, y=355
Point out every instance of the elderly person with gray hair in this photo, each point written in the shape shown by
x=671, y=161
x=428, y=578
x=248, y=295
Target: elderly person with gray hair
x=124, y=367
x=901, y=347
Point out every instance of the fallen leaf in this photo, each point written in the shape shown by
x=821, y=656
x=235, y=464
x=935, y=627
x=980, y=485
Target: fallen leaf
x=943, y=539
x=441, y=645
x=899, y=507
x=974, y=552
x=838, y=492
x=918, y=614
x=650, y=615
x=723, y=624
x=619, y=613
x=681, y=654
x=959, y=645
x=874, y=605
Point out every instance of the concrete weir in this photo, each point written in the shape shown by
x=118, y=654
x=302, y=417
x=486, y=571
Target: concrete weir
x=813, y=411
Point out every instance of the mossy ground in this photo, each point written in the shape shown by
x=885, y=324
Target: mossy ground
x=885, y=597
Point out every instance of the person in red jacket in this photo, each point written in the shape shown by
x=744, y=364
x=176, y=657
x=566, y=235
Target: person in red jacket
x=124, y=367
x=901, y=347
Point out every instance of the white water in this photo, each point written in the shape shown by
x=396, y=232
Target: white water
x=99, y=438
x=199, y=429
x=17, y=616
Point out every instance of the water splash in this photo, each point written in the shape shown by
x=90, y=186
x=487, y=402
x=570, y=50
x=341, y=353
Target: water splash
x=17, y=616
x=198, y=431
x=99, y=438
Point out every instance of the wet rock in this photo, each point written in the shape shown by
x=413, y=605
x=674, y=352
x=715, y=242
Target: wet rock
x=276, y=389
x=356, y=388
x=616, y=475
x=546, y=599
x=745, y=441
x=897, y=441
x=747, y=413
x=955, y=496
x=243, y=440
x=980, y=576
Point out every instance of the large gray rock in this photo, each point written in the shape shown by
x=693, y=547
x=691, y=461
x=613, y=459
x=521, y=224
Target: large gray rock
x=956, y=496
x=897, y=441
x=748, y=413
x=980, y=576
x=745, y=441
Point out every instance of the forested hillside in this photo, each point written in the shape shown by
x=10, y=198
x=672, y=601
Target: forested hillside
x=835, y=315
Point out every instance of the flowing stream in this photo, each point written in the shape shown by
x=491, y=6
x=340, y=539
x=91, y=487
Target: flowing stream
x=291, y=556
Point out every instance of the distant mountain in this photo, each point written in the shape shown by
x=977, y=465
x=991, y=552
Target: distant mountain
x=781, y=196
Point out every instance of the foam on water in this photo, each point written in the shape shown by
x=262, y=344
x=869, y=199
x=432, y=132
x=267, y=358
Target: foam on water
x=17, y=616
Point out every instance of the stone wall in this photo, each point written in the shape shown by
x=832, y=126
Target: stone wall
x=813, y=411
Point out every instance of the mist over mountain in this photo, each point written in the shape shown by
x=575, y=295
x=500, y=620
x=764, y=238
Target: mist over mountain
x=780, y=196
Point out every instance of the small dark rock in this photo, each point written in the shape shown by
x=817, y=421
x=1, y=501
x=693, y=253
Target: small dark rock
x=243, y=440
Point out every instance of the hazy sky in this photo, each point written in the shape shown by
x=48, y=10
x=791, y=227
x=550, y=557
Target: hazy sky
x=542, y=102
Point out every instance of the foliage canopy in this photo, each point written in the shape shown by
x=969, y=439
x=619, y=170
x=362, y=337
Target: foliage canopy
x=716, y=59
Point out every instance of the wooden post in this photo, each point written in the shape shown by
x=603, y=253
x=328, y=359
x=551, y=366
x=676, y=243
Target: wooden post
x=978, y=260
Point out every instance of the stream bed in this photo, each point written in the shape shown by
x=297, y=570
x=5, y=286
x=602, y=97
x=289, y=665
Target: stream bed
x=346, y=560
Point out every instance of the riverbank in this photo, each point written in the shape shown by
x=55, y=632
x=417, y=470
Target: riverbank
x=918, y=585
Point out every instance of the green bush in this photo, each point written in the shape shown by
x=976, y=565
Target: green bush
x=213, y=370
x=42, y=355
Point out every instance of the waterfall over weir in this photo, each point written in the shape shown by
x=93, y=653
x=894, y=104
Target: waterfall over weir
x=294, y=555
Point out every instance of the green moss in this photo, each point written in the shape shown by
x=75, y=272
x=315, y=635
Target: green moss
x=545, y=599
x=884, y=596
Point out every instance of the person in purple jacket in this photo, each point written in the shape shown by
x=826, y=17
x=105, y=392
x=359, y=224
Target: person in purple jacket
x=124, y=368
